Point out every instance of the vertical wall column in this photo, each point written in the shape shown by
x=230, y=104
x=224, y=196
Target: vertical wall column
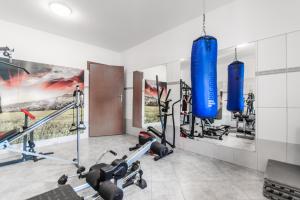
x=137, y=110
x=271, y=89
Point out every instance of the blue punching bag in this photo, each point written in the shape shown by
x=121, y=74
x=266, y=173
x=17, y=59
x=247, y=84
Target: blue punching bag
x=235, y=99
x=204, y=77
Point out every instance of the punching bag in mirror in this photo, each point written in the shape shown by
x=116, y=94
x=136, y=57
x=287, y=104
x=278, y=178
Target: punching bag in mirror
x=235, y=99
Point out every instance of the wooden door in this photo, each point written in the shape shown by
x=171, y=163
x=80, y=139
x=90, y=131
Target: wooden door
x=106, y=88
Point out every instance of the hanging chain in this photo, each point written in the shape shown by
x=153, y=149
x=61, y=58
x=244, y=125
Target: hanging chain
x=235, y=54
x=203, y=25
x=203, y=22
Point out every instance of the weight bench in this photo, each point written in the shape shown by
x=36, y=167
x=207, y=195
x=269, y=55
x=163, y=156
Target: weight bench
x=107, y=180
x=64, y=192
x=282, y=181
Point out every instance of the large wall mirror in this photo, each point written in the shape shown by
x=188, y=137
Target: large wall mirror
x=232, y=129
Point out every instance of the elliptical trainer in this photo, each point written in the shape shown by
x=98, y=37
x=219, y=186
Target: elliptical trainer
x=159, y=149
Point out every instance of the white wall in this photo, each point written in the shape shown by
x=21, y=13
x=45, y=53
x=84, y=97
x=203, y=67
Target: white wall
x=37, y=46
x=43, y=47
x=239, y=22
x=278, y=98
x=236, y=23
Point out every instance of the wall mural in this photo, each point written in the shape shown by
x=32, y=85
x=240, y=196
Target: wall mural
x=47, y=88
x=151, y=105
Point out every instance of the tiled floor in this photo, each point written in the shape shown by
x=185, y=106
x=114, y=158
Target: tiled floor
x=180, y=176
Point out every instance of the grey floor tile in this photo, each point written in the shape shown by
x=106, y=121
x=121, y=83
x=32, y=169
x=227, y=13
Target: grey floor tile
x=180, y=176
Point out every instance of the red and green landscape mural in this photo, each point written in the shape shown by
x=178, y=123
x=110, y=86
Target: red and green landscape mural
x=151, y=104
x=47, y=88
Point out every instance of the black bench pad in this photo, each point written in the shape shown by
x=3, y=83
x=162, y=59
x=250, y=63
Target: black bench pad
x=64, y=192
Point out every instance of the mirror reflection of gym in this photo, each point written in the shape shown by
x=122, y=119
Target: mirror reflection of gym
x=235, y=129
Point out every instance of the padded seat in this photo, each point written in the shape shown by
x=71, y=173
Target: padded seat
x=64, y=192
x=154, y=130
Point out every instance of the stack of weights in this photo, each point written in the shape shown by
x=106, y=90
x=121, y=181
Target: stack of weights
x=282, y=181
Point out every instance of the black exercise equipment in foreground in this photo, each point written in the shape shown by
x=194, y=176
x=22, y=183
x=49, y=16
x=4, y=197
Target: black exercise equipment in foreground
x=107, y=180
x=163, y=107
x=282, y=181
x=28, y=152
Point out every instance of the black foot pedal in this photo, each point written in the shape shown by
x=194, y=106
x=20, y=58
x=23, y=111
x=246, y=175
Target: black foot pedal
x=80, y=169
x=142, y=183
x=62, y=180
x=108, y=190
x=135, y=147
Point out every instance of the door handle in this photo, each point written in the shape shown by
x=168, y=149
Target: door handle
x=121, y=97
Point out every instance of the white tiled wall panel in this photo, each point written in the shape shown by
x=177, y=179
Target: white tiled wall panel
x=272, y=90
x=128, y=102
x=293, y=49
x=294, y=126
x=272, y=53
x=272, y=124
x=293, y=90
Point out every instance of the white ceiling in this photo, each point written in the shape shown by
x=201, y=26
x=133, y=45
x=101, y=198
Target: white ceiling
x=112, y=24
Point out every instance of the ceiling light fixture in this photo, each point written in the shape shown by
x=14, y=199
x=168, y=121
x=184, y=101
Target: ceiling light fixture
x=243, y=45
x=60, y=9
